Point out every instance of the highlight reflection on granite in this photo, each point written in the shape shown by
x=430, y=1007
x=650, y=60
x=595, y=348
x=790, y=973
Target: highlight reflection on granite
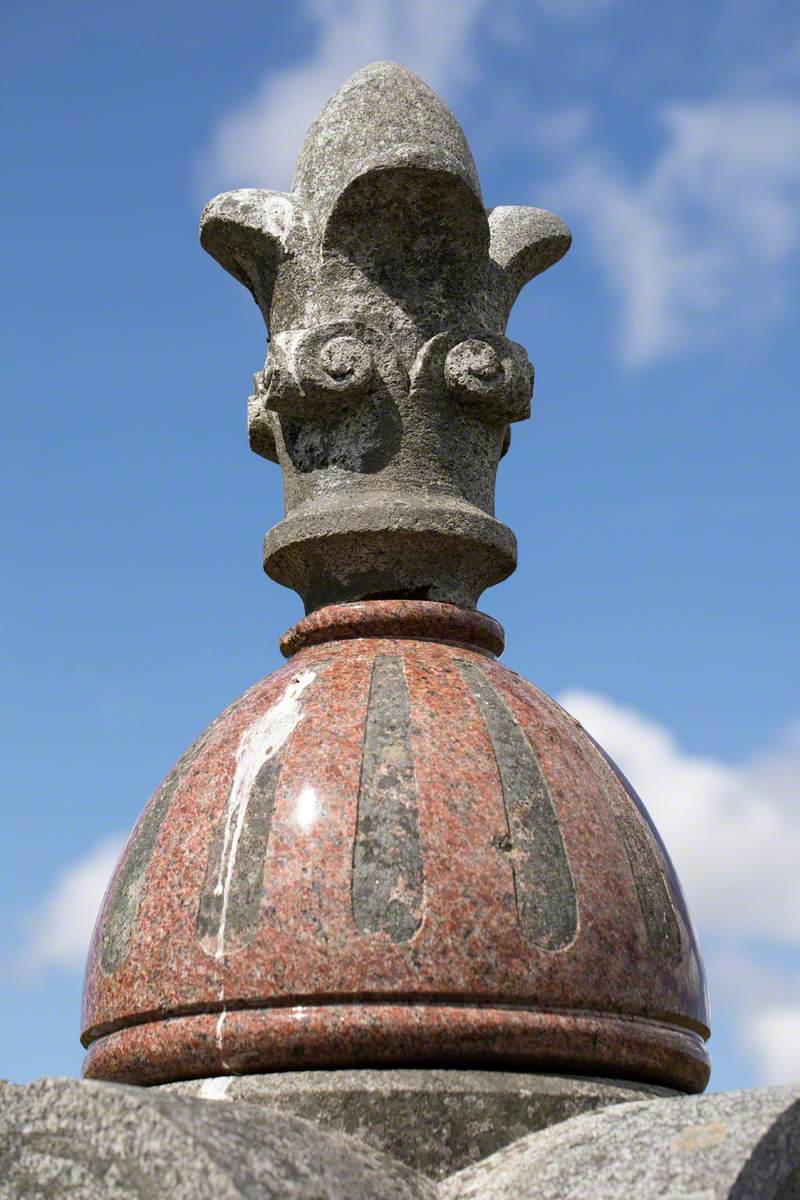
x=394, y=851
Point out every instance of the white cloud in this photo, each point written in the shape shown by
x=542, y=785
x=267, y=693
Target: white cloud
x=572, y=10
x=698, y=245
x=762, y=993
x=257, y=144
x=773, y=1037
x=734, y=836
x=60, y=928
x=561, y=131
x=733, y=832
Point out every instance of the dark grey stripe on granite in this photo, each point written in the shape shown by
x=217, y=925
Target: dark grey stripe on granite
x=545, y=892
x=387, y=866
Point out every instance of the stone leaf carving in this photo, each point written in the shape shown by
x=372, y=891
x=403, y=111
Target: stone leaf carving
x=389, y=387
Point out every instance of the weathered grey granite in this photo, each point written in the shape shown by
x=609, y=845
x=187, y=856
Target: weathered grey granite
x=436, y=1121
x=729, y=1146
x=390, y=385
x=101, y=1141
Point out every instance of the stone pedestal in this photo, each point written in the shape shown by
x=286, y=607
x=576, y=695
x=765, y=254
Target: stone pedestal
x=435, y=1121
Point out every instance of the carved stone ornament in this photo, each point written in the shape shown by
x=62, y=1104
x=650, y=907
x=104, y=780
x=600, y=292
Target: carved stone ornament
x=390, y=386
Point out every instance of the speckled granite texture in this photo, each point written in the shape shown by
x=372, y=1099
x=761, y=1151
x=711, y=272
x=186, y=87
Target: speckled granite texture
x=729, y=1146
x=506, y=904
x=435, y=1121
x=98, y=1141
x=62, y=1139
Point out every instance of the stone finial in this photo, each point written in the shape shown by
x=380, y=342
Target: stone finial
x=390, y=385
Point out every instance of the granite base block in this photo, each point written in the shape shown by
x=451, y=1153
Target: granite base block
x=436, y=1121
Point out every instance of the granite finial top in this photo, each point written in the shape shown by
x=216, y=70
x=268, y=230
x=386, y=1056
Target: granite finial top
x=390, y=385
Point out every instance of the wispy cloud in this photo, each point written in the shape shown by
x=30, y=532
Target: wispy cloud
x=60, y=928
x=257, y=144
x=573, y=10
x=698, y=245
x=764, y=1000
x=734, y=837
x=773, y=1037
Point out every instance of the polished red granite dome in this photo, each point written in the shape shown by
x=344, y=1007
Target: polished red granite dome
x=395, y=851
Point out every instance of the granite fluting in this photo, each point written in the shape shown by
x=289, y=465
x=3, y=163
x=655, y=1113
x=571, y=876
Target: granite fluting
x=278, y=925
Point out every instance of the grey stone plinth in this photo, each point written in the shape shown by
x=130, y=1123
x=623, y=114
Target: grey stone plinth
x=100, y=1141
x=730, y=1146
x=436, y=1121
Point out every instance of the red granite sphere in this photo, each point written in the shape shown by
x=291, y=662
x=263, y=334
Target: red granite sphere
x=394, y=851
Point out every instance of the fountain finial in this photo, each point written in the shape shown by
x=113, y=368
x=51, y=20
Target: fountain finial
x=392, y=852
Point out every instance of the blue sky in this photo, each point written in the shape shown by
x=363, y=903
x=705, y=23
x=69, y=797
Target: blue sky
x=654, y=493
